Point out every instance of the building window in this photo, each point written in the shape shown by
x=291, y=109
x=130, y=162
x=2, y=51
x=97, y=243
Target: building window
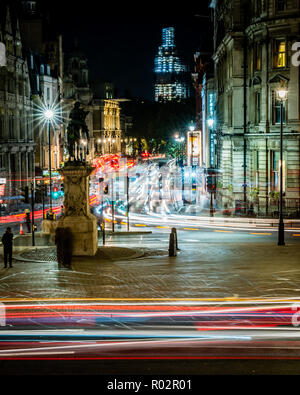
x=276, y=110
x=279, y=53
x=20, y=87
x=280, y=5
x=256, y=165
x=48, y=95
x=37, y=83
x=257, y=107
x=258, y=7
x=11, y=83
x=21, y=123
x=275, y=170
x=257, y=56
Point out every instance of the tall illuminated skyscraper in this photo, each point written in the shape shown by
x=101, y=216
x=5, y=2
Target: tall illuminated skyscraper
x=171, y=74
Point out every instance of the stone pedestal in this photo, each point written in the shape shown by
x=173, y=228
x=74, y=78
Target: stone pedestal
x=77, y=214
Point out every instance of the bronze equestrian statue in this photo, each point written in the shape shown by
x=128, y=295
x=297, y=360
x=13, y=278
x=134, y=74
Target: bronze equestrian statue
x=76, y=131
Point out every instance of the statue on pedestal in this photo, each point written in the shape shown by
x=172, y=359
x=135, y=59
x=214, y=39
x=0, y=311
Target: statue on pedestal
x=77, y=131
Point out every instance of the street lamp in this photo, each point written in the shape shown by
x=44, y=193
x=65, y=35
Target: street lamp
x=49, y=117
x=282, y=97
x=210, y=122
x=192, y=129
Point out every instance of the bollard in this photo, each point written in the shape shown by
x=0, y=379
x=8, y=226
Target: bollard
x=172, y=245
x=103, y=232
x=64, y=244
x=174, y=230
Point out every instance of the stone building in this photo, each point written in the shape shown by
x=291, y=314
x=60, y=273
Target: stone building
x=252, y=57
x=107, y=126
x=17, y=144
x=43, y=51
x=103, y=119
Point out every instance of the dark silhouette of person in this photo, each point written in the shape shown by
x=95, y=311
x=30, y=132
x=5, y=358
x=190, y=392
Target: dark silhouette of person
x=7, y=241
x=64, y=245
x=28, y=222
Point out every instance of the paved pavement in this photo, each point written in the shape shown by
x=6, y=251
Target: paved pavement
x=202, y=269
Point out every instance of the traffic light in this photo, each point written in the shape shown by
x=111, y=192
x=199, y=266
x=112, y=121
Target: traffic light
x=62, y=188
x=105, y=190
x=211, y=181
x=26, y=195
x=55, y=193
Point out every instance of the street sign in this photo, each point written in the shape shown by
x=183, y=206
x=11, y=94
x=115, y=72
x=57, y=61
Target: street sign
x=194, y=148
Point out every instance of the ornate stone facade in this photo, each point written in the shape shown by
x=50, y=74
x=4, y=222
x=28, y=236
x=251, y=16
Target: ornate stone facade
x=77, y=215
x=16, y=127
x=252, y=57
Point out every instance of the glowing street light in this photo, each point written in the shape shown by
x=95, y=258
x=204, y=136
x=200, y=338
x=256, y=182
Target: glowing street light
x=210, y=122
x=51, y=114
x=282, y=94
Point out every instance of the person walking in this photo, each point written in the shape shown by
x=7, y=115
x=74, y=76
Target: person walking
x=7, y=241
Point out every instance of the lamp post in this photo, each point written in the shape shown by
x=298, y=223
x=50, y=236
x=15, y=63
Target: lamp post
x=49, y=115
x=127, y=193
x=180, y=140
x=282, y=97
x=192, y=129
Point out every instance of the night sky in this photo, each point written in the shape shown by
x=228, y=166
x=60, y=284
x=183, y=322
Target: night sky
x=121, y=41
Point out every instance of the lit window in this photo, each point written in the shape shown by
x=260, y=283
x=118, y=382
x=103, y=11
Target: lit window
x=275, y=170
x=257, y=56
x=279, y=53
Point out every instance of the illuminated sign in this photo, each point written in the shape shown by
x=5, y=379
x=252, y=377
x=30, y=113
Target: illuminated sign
x=212, y=149
x=2, y=180
x=211, y=113
x=194, y=148
x=211, y=105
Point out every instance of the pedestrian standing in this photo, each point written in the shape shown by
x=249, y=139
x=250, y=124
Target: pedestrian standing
x=7, y=241
x=28, y=222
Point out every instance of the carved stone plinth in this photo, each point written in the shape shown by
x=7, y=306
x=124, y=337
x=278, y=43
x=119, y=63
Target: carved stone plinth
x=77, y=214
